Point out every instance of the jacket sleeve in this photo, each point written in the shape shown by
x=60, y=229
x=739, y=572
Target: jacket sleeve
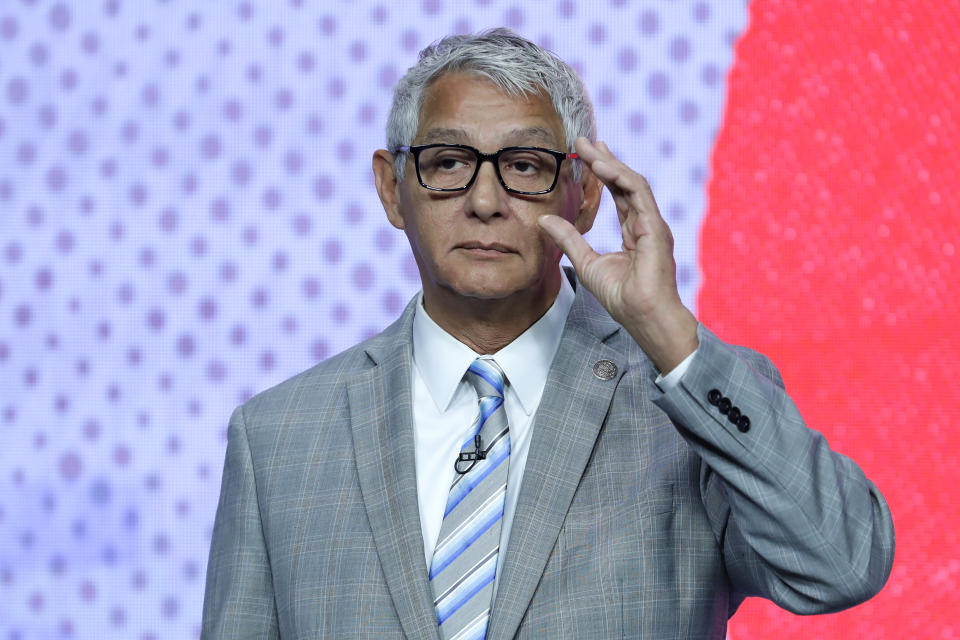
x=798, y=523
x=239, y=599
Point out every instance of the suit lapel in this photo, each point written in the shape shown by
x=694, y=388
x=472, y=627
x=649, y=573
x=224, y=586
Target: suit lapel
x=566, y=426
x=381, y=420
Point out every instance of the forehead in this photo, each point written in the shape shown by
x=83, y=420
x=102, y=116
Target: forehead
x=469, y=109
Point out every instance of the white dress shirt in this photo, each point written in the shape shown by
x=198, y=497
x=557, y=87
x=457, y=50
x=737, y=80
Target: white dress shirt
x=445, y=405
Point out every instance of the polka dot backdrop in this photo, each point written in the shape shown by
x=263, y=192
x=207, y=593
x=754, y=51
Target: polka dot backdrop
x=187, y=216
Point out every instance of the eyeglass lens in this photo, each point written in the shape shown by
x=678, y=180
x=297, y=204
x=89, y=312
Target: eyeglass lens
x=521, y=169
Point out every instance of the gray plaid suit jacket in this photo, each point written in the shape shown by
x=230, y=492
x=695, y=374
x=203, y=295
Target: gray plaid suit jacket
x=642, y=514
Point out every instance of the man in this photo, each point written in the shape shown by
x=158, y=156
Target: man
x=629, y=475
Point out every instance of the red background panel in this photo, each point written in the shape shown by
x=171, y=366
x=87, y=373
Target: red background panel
x=830, y=244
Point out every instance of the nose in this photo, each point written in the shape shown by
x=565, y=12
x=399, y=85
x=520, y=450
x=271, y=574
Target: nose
x=486, y=197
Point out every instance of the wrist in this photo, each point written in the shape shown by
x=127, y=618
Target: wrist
x=667, y=336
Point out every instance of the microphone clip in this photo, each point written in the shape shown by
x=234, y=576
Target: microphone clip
x=470, y=457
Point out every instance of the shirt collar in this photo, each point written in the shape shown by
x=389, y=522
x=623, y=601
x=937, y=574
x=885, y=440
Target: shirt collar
x=442, y=360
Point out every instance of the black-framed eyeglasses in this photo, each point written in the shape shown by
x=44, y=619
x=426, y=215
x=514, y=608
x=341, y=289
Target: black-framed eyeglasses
x=453, y=167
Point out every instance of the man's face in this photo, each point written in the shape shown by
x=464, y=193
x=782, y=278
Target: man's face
x=485, y=242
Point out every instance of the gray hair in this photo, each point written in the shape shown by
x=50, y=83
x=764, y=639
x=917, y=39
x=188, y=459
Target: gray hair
x=513, y=63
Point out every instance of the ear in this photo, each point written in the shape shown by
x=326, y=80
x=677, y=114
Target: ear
x=591, y=188
x=385, y=176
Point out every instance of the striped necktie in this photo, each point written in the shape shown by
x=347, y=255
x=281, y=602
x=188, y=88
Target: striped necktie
x=464, y=561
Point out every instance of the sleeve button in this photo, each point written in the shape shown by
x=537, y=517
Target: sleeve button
x=734, y=415
x=714, y=396
x=724, y=405
x=743, y=424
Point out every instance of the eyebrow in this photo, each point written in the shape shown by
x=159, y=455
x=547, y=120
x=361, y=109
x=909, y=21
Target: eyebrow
x=520, y=136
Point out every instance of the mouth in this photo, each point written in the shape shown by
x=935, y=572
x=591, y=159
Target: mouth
x=487, y=249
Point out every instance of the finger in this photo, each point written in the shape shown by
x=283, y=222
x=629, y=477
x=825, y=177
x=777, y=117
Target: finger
x=619, y=178
x=566, y=236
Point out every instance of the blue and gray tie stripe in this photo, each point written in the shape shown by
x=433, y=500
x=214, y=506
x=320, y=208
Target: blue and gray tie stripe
x=464, y=561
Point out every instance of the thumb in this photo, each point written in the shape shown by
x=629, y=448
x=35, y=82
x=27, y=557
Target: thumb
x=566, y=236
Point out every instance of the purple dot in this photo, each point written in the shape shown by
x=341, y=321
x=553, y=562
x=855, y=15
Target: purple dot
x=150, y=95
x=189, y=184
x=709, y=75
x=250, y=235
x=90, y=43
x=462, y=26
x=232, y=110
x=36, y=601
x=170, y=607
x=341, y=313
x=358, y=51
x=387, y=77
x=607, y=96
x=22, y=315
x=99, y=106
x=267, y=361
x=514, y=18
x=198, y=246
x=302, y=224
x=283, y=99
x=566, y=9
x=658, y=85
x=156, y=319
x=8, y=28
x=701, y=12
x=310, y=287
x=271, y=198
x=121, y=455
x=275, y=36
x=131, y=518
x=336, y=87
x=59, y=17
x=130, y=131
x=679, y=49
x=70, y=466
x=43, y=279
x=108, y=168
x=161, y=543
x=649, y=23
x=597, y=34
x=104, y=330
x=289, y=324
x=379, y=14
x=293, y=161
x=315, y=124
x=118, y=617
x=125, y=293
x=323, y=187
x=676, y=212
x=47, y=116
x=391, y=303
x=216, y=371
x=26, y=153
x=238, y=335
x=30, y=377
x=409, y=40
x=142, y=32
x=280, y=261
x=363, y=276
x=666, y=148
x=77, y=142
x=139, y=580
x=259, y=298
x=100, y=492
x=228, y=272
x=210, y=147
x=689, y=112
x=240, y=173
x=159, y=157
x=328, y=25
x=138, y=195
x=56, y=179
x=305, y=62
x=683, y=275
x=637, y=122
x=263, y=135
x=185, y=345
x=224, y=47
x=627, y=59
x=254, y=73
x=134, y=356
x=207, y=309
x=168, y=220
x=181, y=120
x=68, y=80
x=220, y=210
x=244, y=11
x=332, y=251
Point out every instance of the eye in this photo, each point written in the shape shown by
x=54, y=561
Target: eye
x=525, y=163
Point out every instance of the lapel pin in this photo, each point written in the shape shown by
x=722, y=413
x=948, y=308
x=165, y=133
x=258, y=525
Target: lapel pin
x=605, y=370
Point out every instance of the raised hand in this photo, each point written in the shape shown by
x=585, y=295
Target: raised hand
x=638, y=284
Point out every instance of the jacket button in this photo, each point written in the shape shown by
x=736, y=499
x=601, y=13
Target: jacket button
x=714, y=396
x=743, y=424
x=724, y=405
x=733, y=415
